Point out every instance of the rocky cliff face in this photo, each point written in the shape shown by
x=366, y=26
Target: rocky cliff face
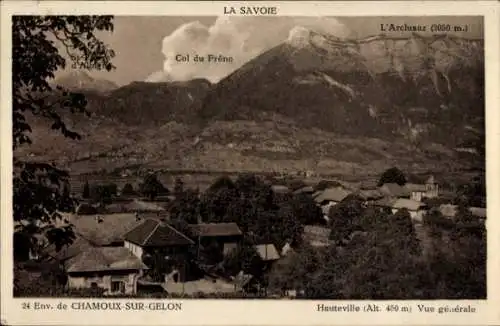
x=315, y=102
x=415, y=88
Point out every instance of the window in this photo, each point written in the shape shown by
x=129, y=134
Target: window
x=117, y=286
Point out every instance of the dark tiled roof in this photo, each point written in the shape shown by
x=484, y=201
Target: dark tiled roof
x=153, y=233
x=104, y=259
x=215, y=229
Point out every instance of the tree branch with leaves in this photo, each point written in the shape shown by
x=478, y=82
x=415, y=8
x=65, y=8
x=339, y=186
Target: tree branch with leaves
x=37, y=42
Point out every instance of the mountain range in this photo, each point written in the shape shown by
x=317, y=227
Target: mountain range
x=314, y=102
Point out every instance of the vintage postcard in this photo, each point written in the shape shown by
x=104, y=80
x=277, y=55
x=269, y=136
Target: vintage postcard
x=259, y=163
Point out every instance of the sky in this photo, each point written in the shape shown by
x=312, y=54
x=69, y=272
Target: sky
x=146, y=47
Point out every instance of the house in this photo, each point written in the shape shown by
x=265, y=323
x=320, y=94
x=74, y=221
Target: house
x=151, y=235
x=415, y=208
x=417, y=191
x=370, y=195
x=429, y=189
x=267, y=252
x=106, y=229
x=479, y=212
x=287, y=248
x=393, y=190
x=331, y=197
x=225, y=236
x=280, y=189
x=450, y=211
x=304, y=190
x=317, y=236
x=114, y=269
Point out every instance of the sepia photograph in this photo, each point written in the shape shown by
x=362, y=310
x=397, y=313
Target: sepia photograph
x=249, y=157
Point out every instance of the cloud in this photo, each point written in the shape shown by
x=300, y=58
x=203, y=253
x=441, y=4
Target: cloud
x=241, y=38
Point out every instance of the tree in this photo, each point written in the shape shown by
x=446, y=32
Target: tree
x=472, y=193
x=152, y=187
x=102, y=194
x=186, y=207
x=345, y=218
x=242, y=259
x=306, y=210
x=178, y=187
x=392, y=175
x=295, y=271
x=128, y=190
x=403, y=231
x=36, y=44
x=68, y=203
x=86, y=190
x=216, y=199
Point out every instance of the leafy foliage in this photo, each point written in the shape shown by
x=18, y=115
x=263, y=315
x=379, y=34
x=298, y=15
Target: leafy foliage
x=345, y=218
x=242, y=259
x=152, y=187
x=35, y=59
x=472, y=193
x=186, y=207
x=86, y=190
x=392, y=175
x=128, y=190
x=295, y=271
x=103, y=194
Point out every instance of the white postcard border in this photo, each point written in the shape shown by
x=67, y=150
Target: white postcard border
x=258, y=312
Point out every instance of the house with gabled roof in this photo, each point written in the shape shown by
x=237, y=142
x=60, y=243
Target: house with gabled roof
x=330, y=197
x=153, y=234
x=225, y=236
x=113, y=269
x=427, y=189
x=415, y=208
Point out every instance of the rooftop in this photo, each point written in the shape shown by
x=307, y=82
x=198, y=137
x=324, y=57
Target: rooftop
x=336, y=194
x=415, y=187
x=394, y=190
x=104, y=259
x=409, y=204
x=153, y=233
x=280, y=189
x=215, y=229
x=111, y=227
x=267, y=252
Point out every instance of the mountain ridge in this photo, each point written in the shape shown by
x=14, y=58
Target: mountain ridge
x=317, y=105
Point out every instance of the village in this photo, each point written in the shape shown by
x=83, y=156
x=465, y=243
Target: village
x=231, y=240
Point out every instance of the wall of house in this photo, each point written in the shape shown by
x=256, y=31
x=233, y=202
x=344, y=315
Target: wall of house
x=103, y=280
x=431, y=190
x=417, y=195
x=325, y=208
x=135, y=249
